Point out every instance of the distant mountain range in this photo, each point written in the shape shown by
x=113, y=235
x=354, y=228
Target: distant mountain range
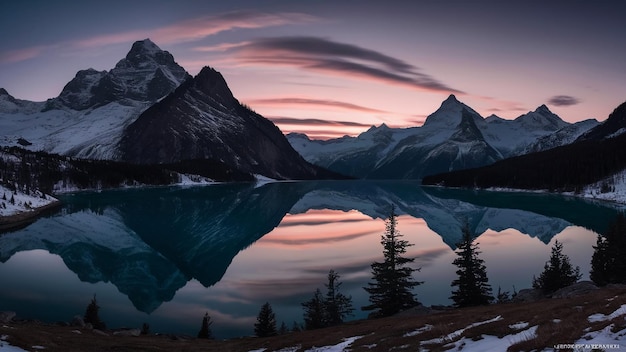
x=149, y=110
x=452, y=138
x=596, y=156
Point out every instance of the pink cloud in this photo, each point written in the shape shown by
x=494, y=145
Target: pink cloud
x=13, y=56
x=184, y=31
x=202, y=27
x=289, y=101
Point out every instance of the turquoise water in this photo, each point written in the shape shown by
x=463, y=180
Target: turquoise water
x=165, y=256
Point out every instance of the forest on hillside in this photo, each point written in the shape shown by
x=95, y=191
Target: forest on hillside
x=564, y=169
x=28, y=170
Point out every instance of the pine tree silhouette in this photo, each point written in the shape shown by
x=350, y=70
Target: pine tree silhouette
x=391, y=288
x=557, y=272
x=91, y=315
x=266, y=322
x=608, y=263
x=205, y=329
x=473, y=287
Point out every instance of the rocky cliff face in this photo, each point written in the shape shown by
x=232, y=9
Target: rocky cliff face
x=146, y=74
x=203, y=120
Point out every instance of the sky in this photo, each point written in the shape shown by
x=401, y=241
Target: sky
x=334, y=68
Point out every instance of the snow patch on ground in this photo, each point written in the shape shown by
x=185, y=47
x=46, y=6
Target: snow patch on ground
x=340, y=347
x=425, y=328
x=6, y=347
x=490, y=343
x=601, y=317
x=22, y=202
x=518, y=326
x=455, y=334
x=612, y=188
x=603, y=339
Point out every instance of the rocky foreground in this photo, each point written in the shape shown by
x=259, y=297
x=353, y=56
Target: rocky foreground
x=582, y=317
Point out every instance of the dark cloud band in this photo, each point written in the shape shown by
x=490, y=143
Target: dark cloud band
x=564, y=100
x=319, y=54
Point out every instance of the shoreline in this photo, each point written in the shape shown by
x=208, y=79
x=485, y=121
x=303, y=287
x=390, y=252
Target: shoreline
x=19, y=220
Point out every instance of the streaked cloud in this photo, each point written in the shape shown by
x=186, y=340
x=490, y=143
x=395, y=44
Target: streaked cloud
x=184, y=31
x=202, y=27
x=313, y=102
x=335, y=58
x=18, y=55
x=315, y=122
x=318, y=240
x=564, y=100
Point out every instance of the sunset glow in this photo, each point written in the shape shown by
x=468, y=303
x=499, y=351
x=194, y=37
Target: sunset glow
x=336, y=68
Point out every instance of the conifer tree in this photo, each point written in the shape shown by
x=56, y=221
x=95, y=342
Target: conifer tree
x=283, y=329
x=473, y=287
x=205, y=330
x=337, y=305
x=314, y=311
x=91, y=315
x=557, y=272
x=265, y=322
x=391, y=289
x=608, y=263
x=295, y=327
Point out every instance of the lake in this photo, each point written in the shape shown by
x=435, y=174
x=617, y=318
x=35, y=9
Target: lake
x=165, y=256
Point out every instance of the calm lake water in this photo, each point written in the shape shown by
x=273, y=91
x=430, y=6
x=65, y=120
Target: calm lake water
x=165, y=256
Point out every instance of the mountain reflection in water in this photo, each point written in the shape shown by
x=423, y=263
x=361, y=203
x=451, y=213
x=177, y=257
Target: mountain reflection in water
x=152, y=242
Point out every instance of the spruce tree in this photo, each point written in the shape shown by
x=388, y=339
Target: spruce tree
x=557, y=272
x=608, y=263
x=315, y=311
x=91, y=315
x=283, y=329
x=265, y=322
x=205, y=330
x=473, y=287
x=391, y=289
x=337, y=305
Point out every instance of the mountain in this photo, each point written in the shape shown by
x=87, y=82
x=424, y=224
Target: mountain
x=595, y=157
x=87, y=119
x=453, y=137
x=147, y=73
x=149, y=110
x=203, y=120
x=613, y=126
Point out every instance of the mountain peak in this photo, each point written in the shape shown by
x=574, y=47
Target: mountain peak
x=542, y=118
x=543, y=109
x=212, y=83
x=451, y=100
x=3, y=91
x=449, y=113
x=145, y=46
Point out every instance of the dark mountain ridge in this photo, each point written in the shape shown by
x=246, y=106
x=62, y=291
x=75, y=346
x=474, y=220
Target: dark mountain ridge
x=202, y=119
x=453, y=137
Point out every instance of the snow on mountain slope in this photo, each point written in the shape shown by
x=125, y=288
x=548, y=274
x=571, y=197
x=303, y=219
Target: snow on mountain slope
x=89, y=116
x=453, y=137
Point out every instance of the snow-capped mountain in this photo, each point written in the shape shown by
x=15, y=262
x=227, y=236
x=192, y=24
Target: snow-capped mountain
x=146, y=74
x=88, y=117
x=453, y=137
x=132, y=113
x=203, y=120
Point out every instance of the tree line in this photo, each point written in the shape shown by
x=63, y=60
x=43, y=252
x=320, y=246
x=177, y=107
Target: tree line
x=28, y=171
